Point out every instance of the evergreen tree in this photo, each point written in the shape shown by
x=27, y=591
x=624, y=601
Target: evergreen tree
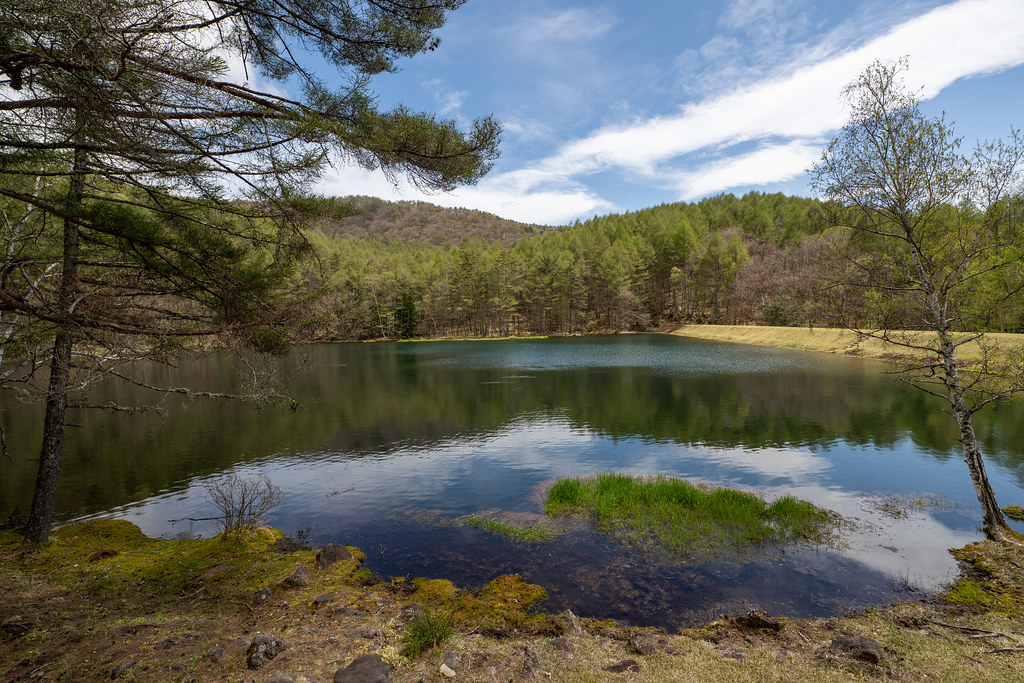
x=128, y=110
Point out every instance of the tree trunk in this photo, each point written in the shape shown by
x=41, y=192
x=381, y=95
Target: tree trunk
x=44, y=500
x=995, y=523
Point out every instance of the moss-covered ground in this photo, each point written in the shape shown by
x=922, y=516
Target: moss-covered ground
x=101, y=599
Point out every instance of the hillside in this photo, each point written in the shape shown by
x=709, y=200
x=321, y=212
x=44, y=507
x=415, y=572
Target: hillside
x=416, y=222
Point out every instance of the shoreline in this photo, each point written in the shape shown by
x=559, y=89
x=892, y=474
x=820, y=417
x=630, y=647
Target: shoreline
x=844, y=342
x=101, y=601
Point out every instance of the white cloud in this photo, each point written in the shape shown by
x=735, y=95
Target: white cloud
x=519, y=195
x=963, y=39
x=526, y=130
x=767, y=164
x=786, y=118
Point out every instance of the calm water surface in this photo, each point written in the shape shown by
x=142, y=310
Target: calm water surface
x=395, y=439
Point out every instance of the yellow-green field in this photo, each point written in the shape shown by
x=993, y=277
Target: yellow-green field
x=848, y=342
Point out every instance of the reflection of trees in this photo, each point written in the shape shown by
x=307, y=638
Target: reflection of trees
x=364, y=399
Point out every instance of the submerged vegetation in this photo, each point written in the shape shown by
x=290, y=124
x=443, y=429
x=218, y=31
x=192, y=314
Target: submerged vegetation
x=533, y=533
x=679, y=517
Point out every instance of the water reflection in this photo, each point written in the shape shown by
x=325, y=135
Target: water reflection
x=454, y=428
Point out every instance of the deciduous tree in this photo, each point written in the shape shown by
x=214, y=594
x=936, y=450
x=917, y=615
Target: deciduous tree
x=930, y=234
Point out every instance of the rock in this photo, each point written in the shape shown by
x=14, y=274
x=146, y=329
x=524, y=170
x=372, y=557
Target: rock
x=348, y=612
x=411, y=611
x=214, y=654
x=574, y=622
x=622, y=667
x=280, y=678
x=561, y=644
x=451, y=660
x=331, y=553
x=756, y=621
x=262, y=595
x=446, y=671
x=530, y=664
x=299, y=578
x=857, y=647
x=322, y=600
x=365, y=669
x=167, y=644
x=121, y=669
x=370, y=633
x=262, y=649
x=641, y=645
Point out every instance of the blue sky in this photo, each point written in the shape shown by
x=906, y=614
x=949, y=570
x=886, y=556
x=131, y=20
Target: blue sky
x=618, y=105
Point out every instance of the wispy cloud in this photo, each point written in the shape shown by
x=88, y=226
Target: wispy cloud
x=955, y=41
x=546, y=34
x=448, y=101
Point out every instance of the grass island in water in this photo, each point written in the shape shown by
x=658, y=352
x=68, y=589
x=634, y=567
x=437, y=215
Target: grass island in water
x=673, y=515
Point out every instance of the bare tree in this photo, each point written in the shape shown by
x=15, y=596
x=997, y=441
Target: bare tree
x=243, y=502
x=930, y=236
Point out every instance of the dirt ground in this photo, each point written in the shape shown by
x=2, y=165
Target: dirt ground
x=103, y=602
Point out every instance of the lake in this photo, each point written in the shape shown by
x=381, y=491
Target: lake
x=394, y=441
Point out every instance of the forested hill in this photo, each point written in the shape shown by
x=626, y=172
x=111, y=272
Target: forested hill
x=414, y=222
x=759, y=258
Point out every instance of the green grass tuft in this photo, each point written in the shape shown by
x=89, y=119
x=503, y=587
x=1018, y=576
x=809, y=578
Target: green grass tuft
x=674, y=515
x=428, y=630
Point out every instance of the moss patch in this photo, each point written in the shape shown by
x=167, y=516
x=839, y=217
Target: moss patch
x=993, y=578
x=501, y=608
x=1015, y=512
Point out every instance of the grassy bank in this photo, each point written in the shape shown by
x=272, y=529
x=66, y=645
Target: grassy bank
x=673, y=515
x=102, y=601
x=841, y=341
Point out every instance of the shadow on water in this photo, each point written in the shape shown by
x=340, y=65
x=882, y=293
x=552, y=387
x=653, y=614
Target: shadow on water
x=469, y=426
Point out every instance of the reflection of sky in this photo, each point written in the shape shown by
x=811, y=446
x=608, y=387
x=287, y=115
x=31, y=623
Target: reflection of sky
x=336, y=494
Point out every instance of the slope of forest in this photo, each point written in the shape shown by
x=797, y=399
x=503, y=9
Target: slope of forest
x=415, y=222
x=415, y=270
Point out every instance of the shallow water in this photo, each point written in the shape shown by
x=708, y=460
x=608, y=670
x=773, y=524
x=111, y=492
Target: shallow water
x=395, y=439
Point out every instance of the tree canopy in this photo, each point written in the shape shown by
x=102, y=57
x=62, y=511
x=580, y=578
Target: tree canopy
x=152, y=152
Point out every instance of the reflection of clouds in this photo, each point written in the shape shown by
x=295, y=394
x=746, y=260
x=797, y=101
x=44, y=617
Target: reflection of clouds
x=497, y=470
x=921, y=541
x=792, y=463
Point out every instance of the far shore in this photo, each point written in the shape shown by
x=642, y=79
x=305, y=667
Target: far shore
x=838, y=340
